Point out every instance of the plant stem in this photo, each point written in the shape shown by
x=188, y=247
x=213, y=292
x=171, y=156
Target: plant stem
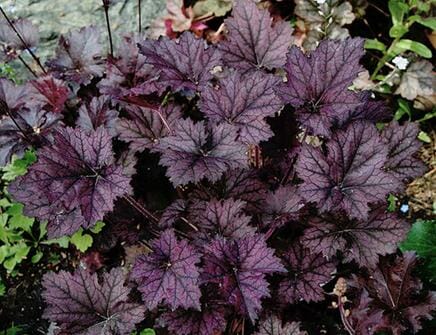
x=139, y=17
x=385, y=58
x=27, y=66
x=141, y=209
x=108, y=25
x=22, y=40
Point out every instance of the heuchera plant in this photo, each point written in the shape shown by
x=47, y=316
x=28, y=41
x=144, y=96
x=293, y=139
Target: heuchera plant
x=256, y=172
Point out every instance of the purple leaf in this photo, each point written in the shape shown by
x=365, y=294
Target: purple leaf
x=193, y=152
x=281, y=206
x=27, y=128
x=185, y=63
x=81, y=304
x=394, y=290
x=47, y=92
x=10, y=43
x=73, y=183
x=272, y=325
x=362, y=241
x=318, y=82
x=13, y=96
x=403, y=145
x=168, y=274
x=351, y=175
x=129, y=74
x=253, y=41
x=98, y=113
x=78, y=56
x=209, y=321
x=238, y=268
x=224, y=218
x=308, y=270
x=243, y=102
x=145, y=127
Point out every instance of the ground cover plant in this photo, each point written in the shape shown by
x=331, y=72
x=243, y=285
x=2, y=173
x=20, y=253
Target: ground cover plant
x=213, y=182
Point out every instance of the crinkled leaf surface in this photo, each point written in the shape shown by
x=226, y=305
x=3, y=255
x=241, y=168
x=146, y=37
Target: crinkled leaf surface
x=394, y=289
x=417, y=80
x=78, y=56
x=10, y=43
x=272, y=325
x=128, y=74
x=317, y=83
x=98, y=113
x=48, y=92
x=186, y=322
x=362, y=241
x=307, y=272
x=144, y=127
x=243, y=102
x=403, y=145
x=253, y=41
x=351, y=175
x=238, y=267
x=169, y=274
x=193, y=152
x=185, y=63
x=26, y=128
x=12, y=95
x=73, y=183
x=81, y=304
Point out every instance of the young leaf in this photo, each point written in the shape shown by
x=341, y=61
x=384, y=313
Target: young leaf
x=243, y=102
x=318, y=82
x=81, y=241
x=169, y=273
x=272, y=325
x=73, y=183
x=351, y=174
x=183, y=64
x=47, y=92
x=81, y=304
x=417, y=80
x=253, y=42
x=238, y=268
x=193, y=152
x=78, y=56
x=362, y=241
x=307, y=272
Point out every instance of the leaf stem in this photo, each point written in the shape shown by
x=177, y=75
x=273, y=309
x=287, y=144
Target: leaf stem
x=139, y=17
x=141, y=209
x=385, y=57
x=22, y=40
x=27, y=66
x=108, y=25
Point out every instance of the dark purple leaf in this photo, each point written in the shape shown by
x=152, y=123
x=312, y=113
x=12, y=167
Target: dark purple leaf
x=12, y=95
x=362, y=241
x=98, y=113
x=282, y=205
x=81, y=304
x=47, y=92
x=209, y=321
x=178, y=210
x=364, y=320
x=351, y=175
x=238, y=268
x=145, y=127
x=129, y=74
x=10, y=43
x=394, y=290
x=243, y=102
x=78, y=56
x=317, y=83
x=272, y=325
x=73, y=183
x=403, y=145
x=169, y=274
x=185, y=63
x=308, y=270
x=194, y=152
x=224, y=218
x=253, y=41
x=27, y=128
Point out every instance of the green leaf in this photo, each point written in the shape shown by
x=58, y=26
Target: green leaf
x=423, y=137
x=18, y=166
x=21, y=222
x=403, y=109
x=392, y=203
x=398, y=30
x=429, y=22
x=147, y=331
x=99, y=225
x=375, y=44
x=37, y=257
x=418, y=48
x=2, y=288
x=397, y=8
x=4, y=252
x=81, y=241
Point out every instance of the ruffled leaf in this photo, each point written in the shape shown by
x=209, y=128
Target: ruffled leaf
x=47, y=92
x=98, y=113
x=272, y=325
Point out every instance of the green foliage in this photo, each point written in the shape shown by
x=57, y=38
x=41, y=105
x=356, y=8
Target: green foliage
x=2, y=288
x=147, y=331
x=422, y=240
x=18, y=167
x=7, y=71
x=13, y=330
x=84, y=241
